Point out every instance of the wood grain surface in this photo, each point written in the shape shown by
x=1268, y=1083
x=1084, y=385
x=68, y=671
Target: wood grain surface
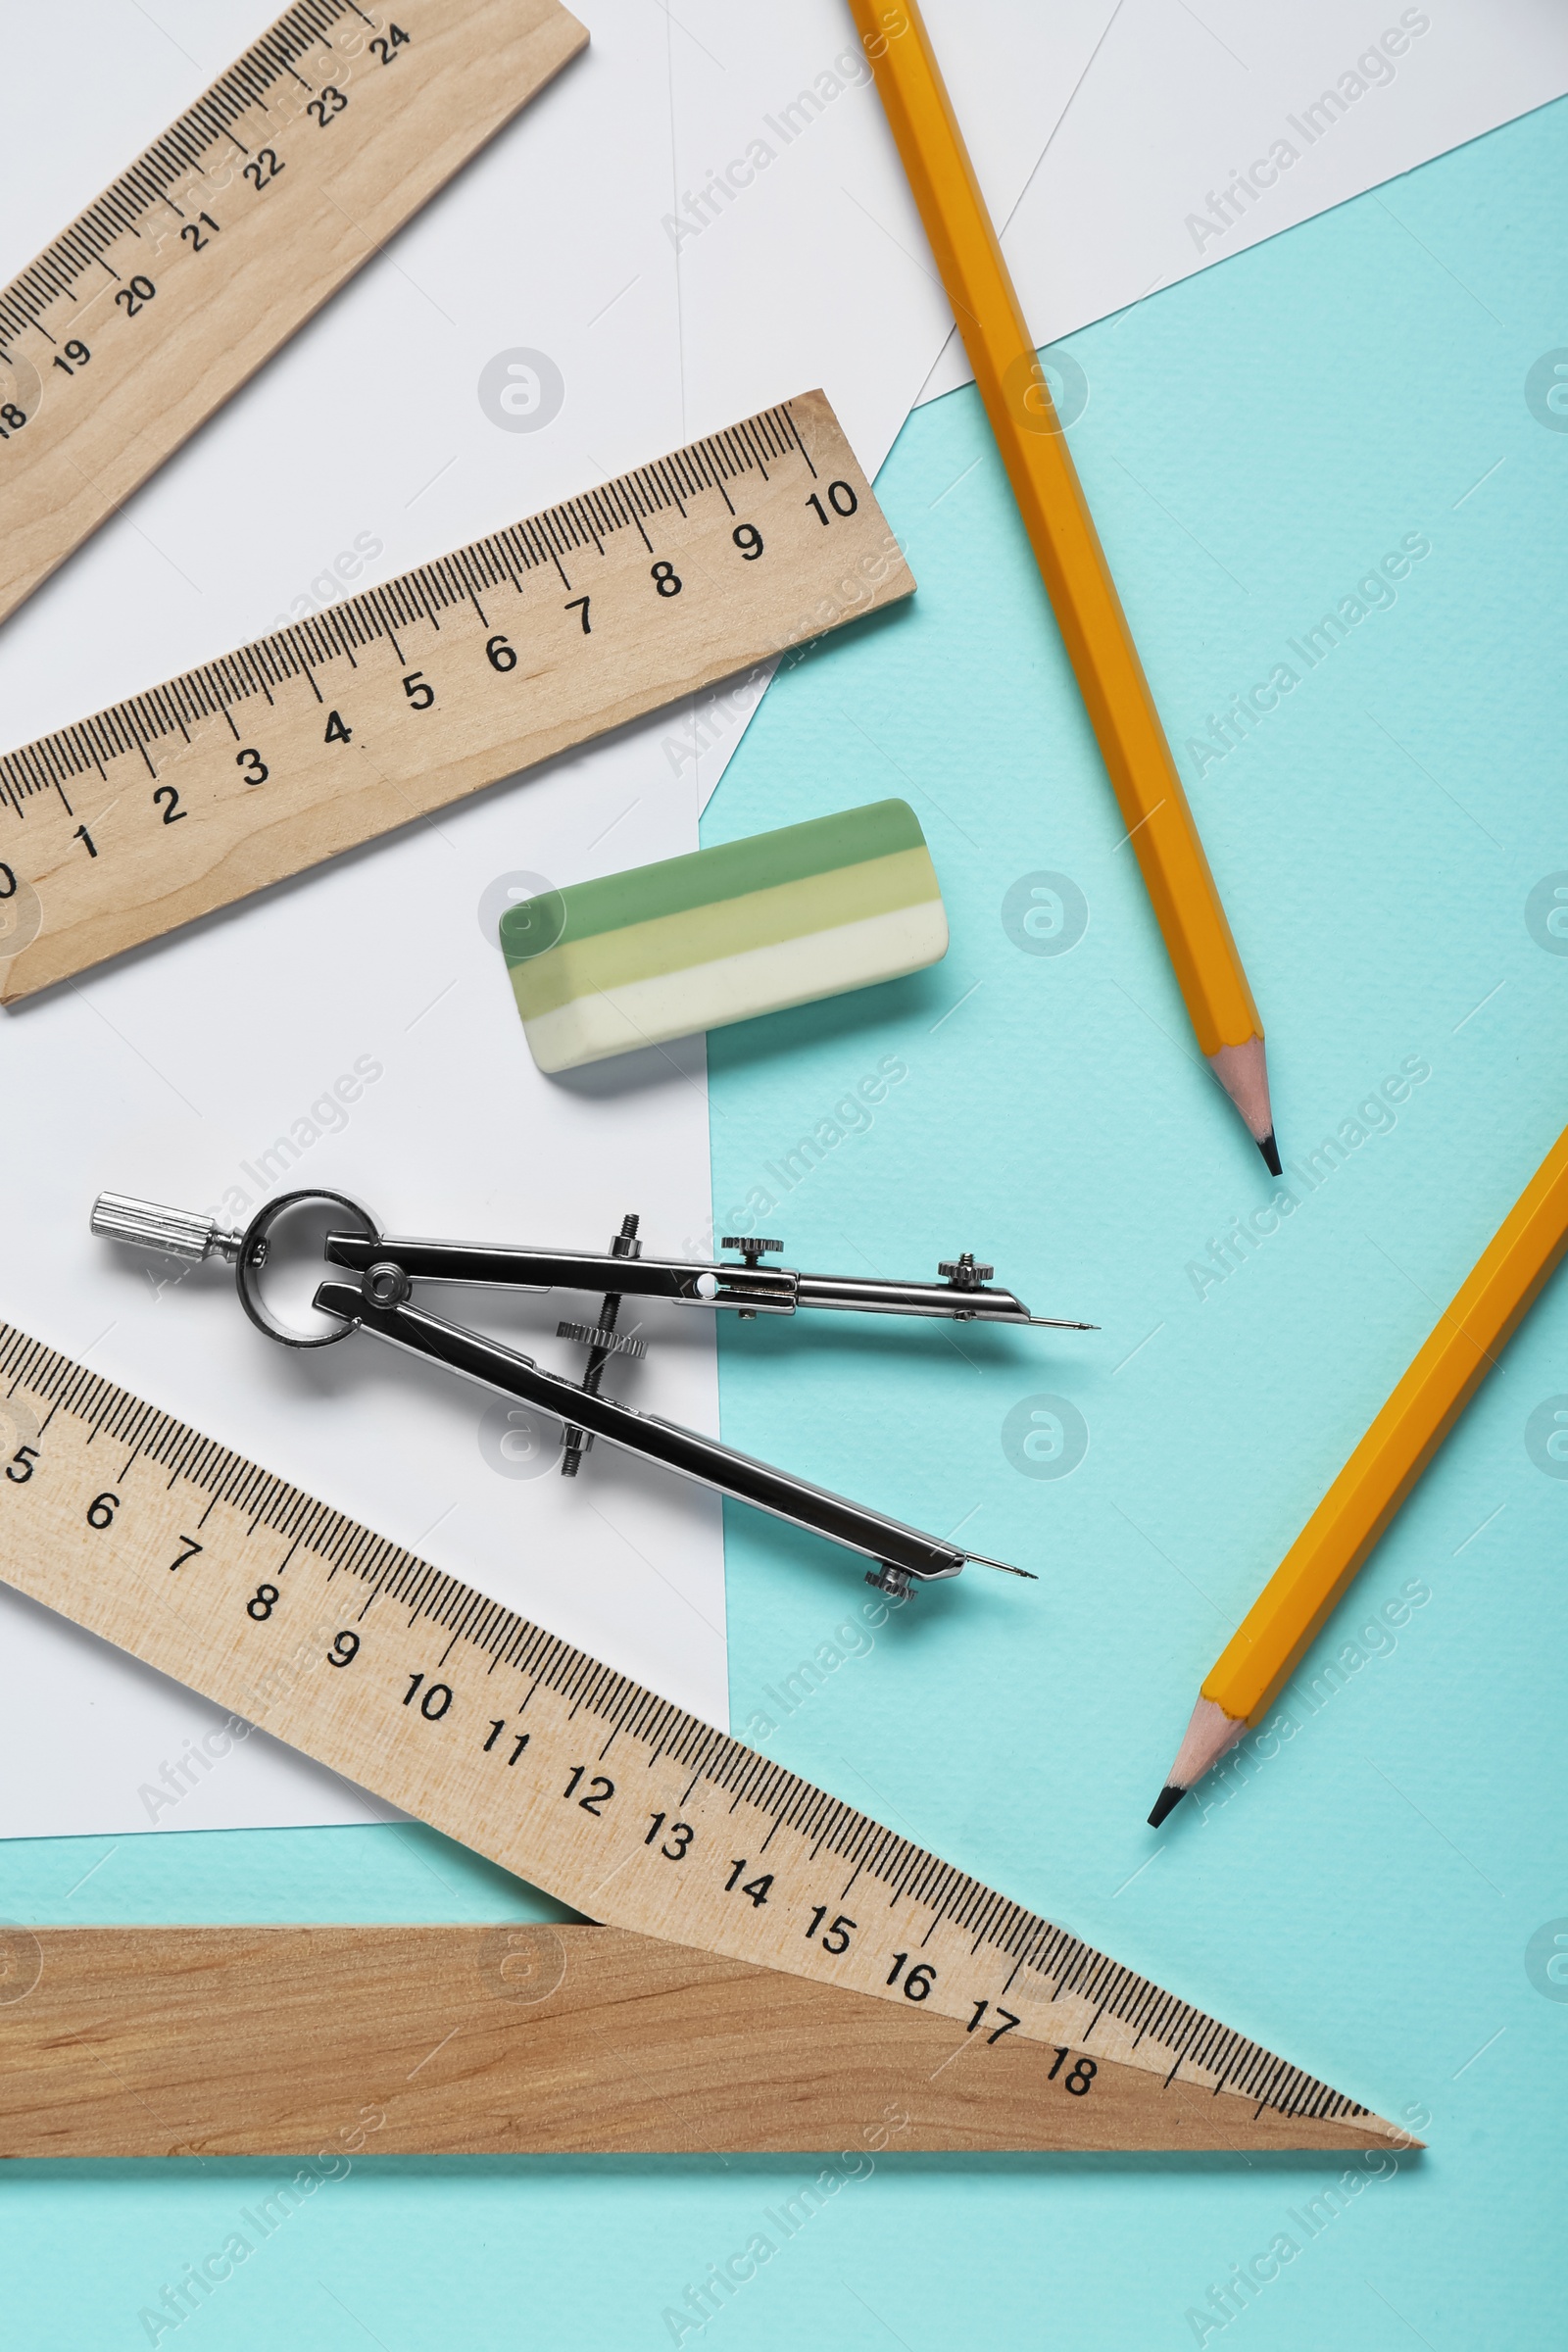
x=240, y=221
x=579, y=1780
x=332, y=2043
x=700, y=564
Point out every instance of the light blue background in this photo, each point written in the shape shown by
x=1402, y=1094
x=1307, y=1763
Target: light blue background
x=1361, y=1898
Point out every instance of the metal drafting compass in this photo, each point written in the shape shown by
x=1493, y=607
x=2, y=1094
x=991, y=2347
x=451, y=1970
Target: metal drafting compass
x=373, y=1292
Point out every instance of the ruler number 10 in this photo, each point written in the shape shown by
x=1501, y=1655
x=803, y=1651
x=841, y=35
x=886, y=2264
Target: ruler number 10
x=435, y=1702
x=840, y=497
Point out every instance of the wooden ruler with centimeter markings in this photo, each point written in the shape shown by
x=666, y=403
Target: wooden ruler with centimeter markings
x=556, y=1767
x=396, y=701
x=228, y=233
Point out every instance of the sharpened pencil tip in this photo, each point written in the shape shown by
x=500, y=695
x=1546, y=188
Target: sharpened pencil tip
x=1165, y=1804
x=1271, y=1155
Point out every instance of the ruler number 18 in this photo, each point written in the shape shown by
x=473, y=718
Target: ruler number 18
x=1083, y=2073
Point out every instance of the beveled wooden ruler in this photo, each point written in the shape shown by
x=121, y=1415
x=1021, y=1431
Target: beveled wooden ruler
x=228, y=233
x=613, y=1800
x=520, y=2039
x=396, y=701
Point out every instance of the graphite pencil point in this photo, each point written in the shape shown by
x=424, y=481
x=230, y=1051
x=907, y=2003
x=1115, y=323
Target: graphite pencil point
x=1271, y=1154
x=1165, y=1804
x=1243, y=1071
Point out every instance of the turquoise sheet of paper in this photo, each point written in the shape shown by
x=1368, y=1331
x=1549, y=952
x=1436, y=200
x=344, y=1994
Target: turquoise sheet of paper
x=1378, y=1896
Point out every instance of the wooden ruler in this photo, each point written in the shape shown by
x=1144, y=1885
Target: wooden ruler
x=515, y=2039
x=395, y=702
x=618, y=1803
x=228, y=233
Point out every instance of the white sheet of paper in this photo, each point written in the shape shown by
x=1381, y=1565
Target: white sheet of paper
x=202, y=1068
x=1198, y=131
x=362, y=449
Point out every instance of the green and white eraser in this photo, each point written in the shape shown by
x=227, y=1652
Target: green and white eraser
x=745, y=928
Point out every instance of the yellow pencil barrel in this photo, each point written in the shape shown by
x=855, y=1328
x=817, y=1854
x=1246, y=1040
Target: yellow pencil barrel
x=1402, y=1440
x=1060, y=527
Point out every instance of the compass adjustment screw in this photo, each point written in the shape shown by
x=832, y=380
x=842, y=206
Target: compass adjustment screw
x=749, y=1245
x=603, y=1342
x=590, y=1334
x=963, y=1273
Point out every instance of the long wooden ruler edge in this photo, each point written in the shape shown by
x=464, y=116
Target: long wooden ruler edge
x=162, y=163
x=1044, y=1955
x=809, y=597
x=535, y=542
x=167, y=162
x=518, y=2036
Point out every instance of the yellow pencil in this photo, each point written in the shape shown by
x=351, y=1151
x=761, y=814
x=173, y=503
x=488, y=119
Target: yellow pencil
x=1072, y=563
x=1379, y=1475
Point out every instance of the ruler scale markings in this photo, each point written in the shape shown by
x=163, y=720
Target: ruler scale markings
x=299, y=216
x=108, y=1581
x=151, y=2041
x=465, y=726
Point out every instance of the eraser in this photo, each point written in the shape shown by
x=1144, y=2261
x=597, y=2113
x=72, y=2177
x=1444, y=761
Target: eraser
x=745, y=928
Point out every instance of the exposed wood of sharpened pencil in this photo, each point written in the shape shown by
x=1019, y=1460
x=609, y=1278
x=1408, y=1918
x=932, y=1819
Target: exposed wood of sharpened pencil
x=1359, y=1505
x=1061, y=531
